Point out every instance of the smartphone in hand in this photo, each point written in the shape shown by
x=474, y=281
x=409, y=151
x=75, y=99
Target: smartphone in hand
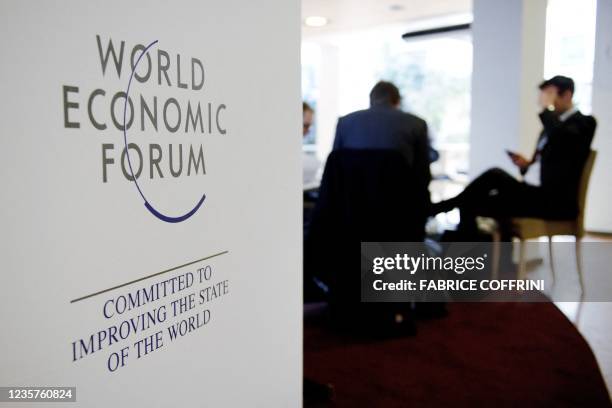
x=512, y=154
x=518, y=160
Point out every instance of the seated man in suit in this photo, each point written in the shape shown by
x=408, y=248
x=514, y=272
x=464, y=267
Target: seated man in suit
x=385, y=126
x=395, y=146
x=562, y=149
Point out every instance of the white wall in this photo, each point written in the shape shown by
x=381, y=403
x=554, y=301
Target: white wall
x=599, y=217
x=508, y=38
x=67, y=234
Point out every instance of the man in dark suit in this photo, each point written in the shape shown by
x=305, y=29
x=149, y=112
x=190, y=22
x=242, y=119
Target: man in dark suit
x=385, y=126
x=562, y=149
x=379, y=173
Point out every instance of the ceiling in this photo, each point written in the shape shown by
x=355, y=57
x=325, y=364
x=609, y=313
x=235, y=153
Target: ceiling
x=346, y=15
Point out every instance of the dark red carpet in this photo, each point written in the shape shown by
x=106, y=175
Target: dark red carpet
x=482, y=354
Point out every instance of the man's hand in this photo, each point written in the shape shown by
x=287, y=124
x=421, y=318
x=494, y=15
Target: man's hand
x=520, y=161
x=548, y=96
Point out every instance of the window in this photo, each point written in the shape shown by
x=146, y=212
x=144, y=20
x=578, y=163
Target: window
x=570, y=45
x=434, y=76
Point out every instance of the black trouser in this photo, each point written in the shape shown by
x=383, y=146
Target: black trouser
x=495, y=194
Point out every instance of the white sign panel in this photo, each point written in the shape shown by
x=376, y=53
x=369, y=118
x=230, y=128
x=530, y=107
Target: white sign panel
x=151, y=236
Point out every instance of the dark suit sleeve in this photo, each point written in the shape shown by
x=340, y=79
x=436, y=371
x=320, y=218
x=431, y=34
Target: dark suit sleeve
x=550, y=121
x=338, y=138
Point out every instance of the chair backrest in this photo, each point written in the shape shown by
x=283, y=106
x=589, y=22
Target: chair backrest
x=371, y=195
x=583, y=189
x=365, y=195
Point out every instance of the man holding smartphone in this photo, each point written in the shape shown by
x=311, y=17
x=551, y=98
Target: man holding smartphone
x=562, y=149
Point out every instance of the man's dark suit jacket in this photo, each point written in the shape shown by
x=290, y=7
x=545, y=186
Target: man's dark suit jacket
x=562, y=159
x=384, y=127
x=365, y=195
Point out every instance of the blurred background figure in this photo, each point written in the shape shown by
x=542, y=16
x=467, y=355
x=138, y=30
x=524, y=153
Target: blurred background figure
x=310, y=162
x=385, y=126
x=310, y=169
x=374, y=187
x=562, y=150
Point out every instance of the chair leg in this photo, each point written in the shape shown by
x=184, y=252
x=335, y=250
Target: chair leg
x=496, y=250
x=552, y=262
x=579, y=266
x=522, y=269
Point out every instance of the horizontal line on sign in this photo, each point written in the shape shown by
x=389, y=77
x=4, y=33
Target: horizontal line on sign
x=147, y=277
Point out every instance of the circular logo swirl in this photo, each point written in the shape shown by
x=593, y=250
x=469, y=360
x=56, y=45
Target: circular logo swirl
x=147, y=203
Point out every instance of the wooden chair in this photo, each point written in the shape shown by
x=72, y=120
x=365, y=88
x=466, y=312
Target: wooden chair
x=528, y=228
